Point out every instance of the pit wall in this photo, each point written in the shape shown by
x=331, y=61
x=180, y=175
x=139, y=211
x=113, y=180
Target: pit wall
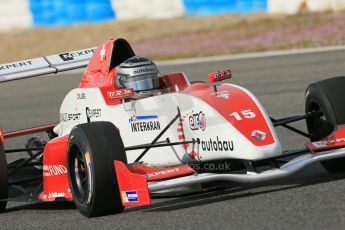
x=33, y=13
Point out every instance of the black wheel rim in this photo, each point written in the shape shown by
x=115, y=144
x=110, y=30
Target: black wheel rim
x=319, y=126
x=79, y=175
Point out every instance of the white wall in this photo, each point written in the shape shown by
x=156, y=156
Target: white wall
x=294, y=6
x=128, y=9
x=285, y=6
x=14, y=14
x=338, y=5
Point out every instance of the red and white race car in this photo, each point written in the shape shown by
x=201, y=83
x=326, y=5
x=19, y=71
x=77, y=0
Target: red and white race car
x=113, y=149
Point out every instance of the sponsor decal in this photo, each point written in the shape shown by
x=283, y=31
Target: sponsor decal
x=217, y=145
x=144, y=70
x=93, y=113
x=72, y=55
x=219, y=75
x=100, y=80
x=81, y=96
x=326, y=143
x=163, y=172
x=65, y=117
x=130, y=196
x=50, y=196
x=258, y=135
x=221, y=94
x=54, y=170
x=102, y=52
x=189, y=148
x=197, y=121
x=121, y=93
x=56, y=194
x=15, y=65
x=144, y=123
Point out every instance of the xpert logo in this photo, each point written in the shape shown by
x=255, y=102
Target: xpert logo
x=92, y=113
x=70, y=56
x=325, y=143
x=15, y=65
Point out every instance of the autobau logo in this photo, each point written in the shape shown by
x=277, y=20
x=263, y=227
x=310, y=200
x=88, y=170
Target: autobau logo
x=212, y=145
x=197, y=121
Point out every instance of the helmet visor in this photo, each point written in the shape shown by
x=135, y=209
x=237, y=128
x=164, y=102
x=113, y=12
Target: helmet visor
x=141, y=83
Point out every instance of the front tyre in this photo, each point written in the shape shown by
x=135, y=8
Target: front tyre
x=3, y=179
x=91, y=152
x=326, y=99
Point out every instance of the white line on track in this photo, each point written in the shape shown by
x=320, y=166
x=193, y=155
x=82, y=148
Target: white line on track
x=250, y=55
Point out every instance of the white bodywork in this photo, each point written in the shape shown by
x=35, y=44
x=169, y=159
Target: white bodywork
x=165, y=107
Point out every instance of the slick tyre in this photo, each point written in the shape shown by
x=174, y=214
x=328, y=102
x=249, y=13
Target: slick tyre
x=327, y=99
x=91, y=151
x=3, y=179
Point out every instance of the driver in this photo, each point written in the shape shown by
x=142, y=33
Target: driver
x=138, y=73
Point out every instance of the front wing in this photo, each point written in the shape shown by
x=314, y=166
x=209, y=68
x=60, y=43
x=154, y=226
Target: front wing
x=139, y=187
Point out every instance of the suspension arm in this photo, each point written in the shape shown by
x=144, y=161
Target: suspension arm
x=159, y=135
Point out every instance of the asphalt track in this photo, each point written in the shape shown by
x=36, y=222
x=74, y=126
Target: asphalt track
x=313, y=199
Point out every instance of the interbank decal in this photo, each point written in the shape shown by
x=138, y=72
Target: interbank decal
x=144, y=123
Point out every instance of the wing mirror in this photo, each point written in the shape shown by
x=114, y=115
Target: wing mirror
x=219, y=75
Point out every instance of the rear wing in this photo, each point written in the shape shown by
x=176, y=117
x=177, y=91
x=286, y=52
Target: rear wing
x=45, y=65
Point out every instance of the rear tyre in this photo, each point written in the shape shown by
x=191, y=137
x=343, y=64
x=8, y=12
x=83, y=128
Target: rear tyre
x=327, y=99
x=3, y=179
x=91, y=152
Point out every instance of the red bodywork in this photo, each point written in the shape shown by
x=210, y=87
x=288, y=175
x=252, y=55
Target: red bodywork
x=219, y=75
x=131, y=182
x=333, y=141
x=240, y=101
x=2, y=138
x=134, y=178
x=55, y=180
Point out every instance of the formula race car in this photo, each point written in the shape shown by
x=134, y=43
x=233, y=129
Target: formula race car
x=118, y=146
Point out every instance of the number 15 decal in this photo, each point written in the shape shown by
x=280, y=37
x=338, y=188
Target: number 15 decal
x=244, y=114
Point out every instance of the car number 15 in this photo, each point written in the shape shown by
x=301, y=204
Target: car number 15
x=243, y=114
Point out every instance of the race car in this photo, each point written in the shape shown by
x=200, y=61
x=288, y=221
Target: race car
x=121, y=139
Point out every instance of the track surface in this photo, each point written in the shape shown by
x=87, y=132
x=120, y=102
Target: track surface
x=311, y=200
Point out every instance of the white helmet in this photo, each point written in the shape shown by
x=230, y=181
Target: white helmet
x=138, y=73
